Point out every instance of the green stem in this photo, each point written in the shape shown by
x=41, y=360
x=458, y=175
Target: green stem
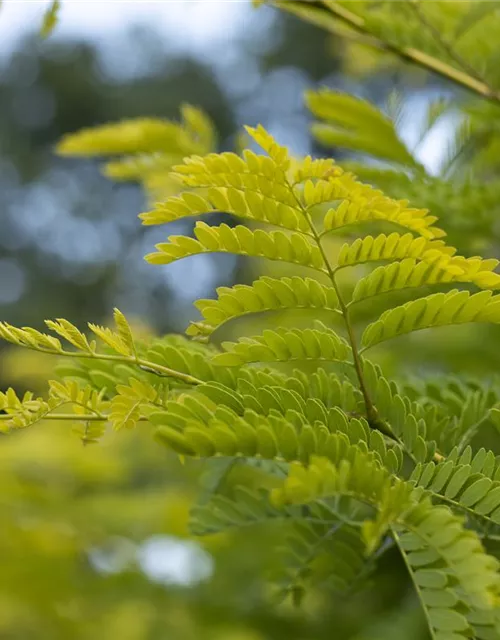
x=470, y=432
x=64, y=416
x=371, y=412
x=411, y=573
x=461, y=507
x=145, y=365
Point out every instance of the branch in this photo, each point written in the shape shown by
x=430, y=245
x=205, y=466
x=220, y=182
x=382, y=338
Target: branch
x=444, y=44
x=410, y=54
x=89, y=417
x=145, y=365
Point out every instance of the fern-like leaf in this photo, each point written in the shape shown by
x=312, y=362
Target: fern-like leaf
x=126, y=405
x=457, y=583
x=411, y=423
x=121, y=341
x=222, y=422
x=360, y=210
x=355, y=475
x=19, y=413
x=147, y=148
x=464, y=481
x=254, y=187
x=440, y=309
x=319, y=168
x=391, y=247
x=347, y=121
x=431, y=539
x=265, y=294
x=319, y=548
x=285, y=345
x=142, y=135
x=295, y=248
x=431, y=271
x=276, y=207
x=83, y=399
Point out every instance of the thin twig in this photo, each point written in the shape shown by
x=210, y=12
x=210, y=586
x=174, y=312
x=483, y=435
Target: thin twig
x=89, y=417
x=145, y=365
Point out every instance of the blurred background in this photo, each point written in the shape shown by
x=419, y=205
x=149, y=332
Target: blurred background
x=93, y=541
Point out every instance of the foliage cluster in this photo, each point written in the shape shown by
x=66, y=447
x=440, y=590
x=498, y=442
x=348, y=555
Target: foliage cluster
x=348, y=463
